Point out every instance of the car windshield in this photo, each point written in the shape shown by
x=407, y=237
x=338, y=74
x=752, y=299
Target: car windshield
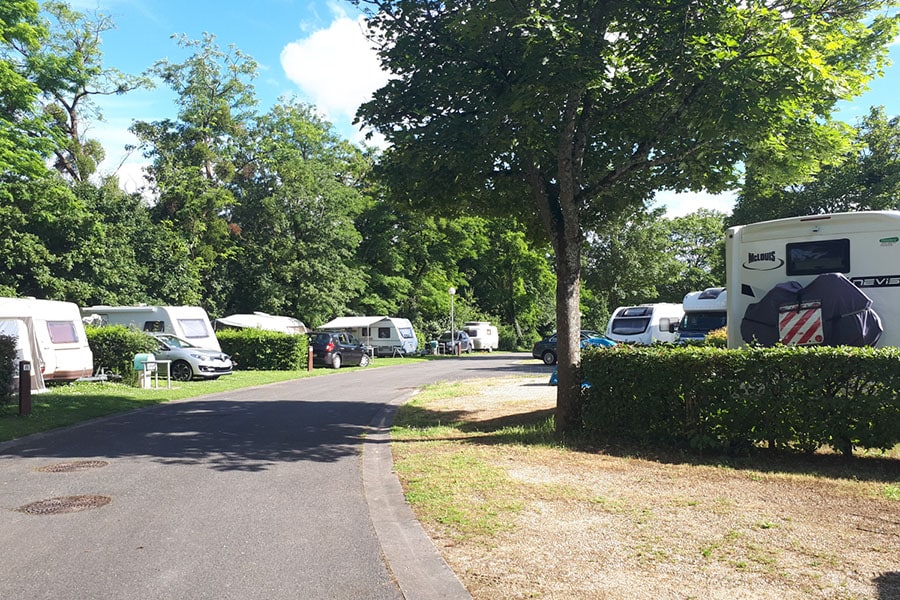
x=174, y=342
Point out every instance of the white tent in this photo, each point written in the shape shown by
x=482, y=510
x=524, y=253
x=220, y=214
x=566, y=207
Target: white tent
x=27, y=346
x=261, y=320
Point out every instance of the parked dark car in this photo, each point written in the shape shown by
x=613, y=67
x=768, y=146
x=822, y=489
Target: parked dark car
x=546, y=348
x=462, y=340
x=337, y=348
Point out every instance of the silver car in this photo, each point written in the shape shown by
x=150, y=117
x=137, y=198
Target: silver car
x=189, y=361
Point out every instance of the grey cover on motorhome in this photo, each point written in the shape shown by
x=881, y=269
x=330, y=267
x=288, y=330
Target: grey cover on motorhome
x=847, y=315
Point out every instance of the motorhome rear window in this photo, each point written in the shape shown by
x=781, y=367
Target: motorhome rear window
x=820, y=256
x=637, y=311
x=630, y=325
x=407, y=332
x=154, y=326
x=62, y=332
x=194, y=328
x=384, y=333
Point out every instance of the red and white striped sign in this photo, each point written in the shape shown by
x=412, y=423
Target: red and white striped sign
x=801, y=324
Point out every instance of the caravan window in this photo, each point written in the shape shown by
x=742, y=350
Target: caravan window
x=194, y=328
x=821, y=256
x=384, y=333
x=407, y=332
x=62, y=332
x=154, y=326
x=630, y=325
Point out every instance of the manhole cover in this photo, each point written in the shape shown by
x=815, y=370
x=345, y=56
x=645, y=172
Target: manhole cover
x=65, y=504
x=69, y=467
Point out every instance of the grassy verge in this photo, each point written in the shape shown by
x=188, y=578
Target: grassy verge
x=504, y=500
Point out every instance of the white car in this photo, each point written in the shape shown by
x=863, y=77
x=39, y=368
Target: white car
x=189, y=361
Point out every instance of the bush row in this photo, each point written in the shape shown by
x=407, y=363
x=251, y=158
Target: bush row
x=114, y=347
x=705, y=398
x=259, y=350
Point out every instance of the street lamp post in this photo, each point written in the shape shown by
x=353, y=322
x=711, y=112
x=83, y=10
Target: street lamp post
x=452, y=291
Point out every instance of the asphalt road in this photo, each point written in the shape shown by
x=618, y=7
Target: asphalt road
x=280, y=491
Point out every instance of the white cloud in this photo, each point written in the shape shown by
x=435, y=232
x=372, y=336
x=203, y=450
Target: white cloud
x=336, y=68
x=681, y=204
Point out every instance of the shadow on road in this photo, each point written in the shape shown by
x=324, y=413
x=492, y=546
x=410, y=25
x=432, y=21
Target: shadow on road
x=226, y=435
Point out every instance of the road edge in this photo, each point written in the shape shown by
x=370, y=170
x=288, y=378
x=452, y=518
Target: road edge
x=411, y=556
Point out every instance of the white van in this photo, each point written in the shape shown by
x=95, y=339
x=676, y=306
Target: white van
x=860, y=247
x=645, y=323
x=387, y=336
x=187, y=322
x=704, y=311
x=50, y=335
x=484, y=336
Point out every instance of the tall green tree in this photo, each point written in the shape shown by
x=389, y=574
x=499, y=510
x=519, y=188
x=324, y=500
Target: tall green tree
x=23, y=141
x=697, y=243
x=866, y=178
x=295, y=223
x=68, y=68
x=587, y=107
x=193, y=156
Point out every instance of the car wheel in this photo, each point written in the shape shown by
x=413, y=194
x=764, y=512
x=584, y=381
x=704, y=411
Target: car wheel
x=182, y=371
x=336, y=361
x=549, y=357
x=364, y=360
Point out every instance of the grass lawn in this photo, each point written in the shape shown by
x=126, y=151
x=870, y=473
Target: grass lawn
x=73, y=403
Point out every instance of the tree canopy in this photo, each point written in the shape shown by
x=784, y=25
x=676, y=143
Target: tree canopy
x=573, y=112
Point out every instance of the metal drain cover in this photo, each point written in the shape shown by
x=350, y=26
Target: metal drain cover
x=65, y=504
x=71, y=467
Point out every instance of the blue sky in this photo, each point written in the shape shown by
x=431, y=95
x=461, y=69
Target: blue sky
x=310, y=49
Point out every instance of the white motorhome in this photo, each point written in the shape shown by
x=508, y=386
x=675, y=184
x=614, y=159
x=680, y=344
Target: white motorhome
x=862, y=247
x=50, y=335
x=704, y=311
x=645, y=323
x=386, y=335
x=188, y=322
x=484, y=336
x=261, y=320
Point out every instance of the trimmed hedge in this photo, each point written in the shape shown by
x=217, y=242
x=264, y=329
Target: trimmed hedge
x=114, y=347
x=705, y=398
x=261, y=350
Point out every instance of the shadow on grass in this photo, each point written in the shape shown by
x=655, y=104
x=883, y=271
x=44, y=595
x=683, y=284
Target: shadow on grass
x=537, y=428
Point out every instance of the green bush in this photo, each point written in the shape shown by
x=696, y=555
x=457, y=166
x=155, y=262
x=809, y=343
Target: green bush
x=114, y=347
x=7, y=366
x=261, y=350
x=706, y=397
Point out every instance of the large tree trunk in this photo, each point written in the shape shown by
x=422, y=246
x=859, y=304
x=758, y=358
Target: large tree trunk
x=568, y=320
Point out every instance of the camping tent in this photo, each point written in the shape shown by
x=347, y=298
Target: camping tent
x=261, y=320
x=27, y=346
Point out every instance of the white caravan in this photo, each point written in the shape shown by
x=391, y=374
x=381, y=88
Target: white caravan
x=261, y=320
x=187, y=322
x=386, y=335
x=50, y=335
x=645, y=323
x=859, y=247
x=484, y=336
x=704, y=311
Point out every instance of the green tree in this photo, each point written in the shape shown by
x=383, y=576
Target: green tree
x=68, y=69
x=867, y=178
x=193, y=156
x=697, y=243
x=585, y=108
x=23, y=143
x=294, y=226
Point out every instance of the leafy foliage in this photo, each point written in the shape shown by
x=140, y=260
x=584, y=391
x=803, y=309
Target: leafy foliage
x=7, y=365
x=114, y=347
